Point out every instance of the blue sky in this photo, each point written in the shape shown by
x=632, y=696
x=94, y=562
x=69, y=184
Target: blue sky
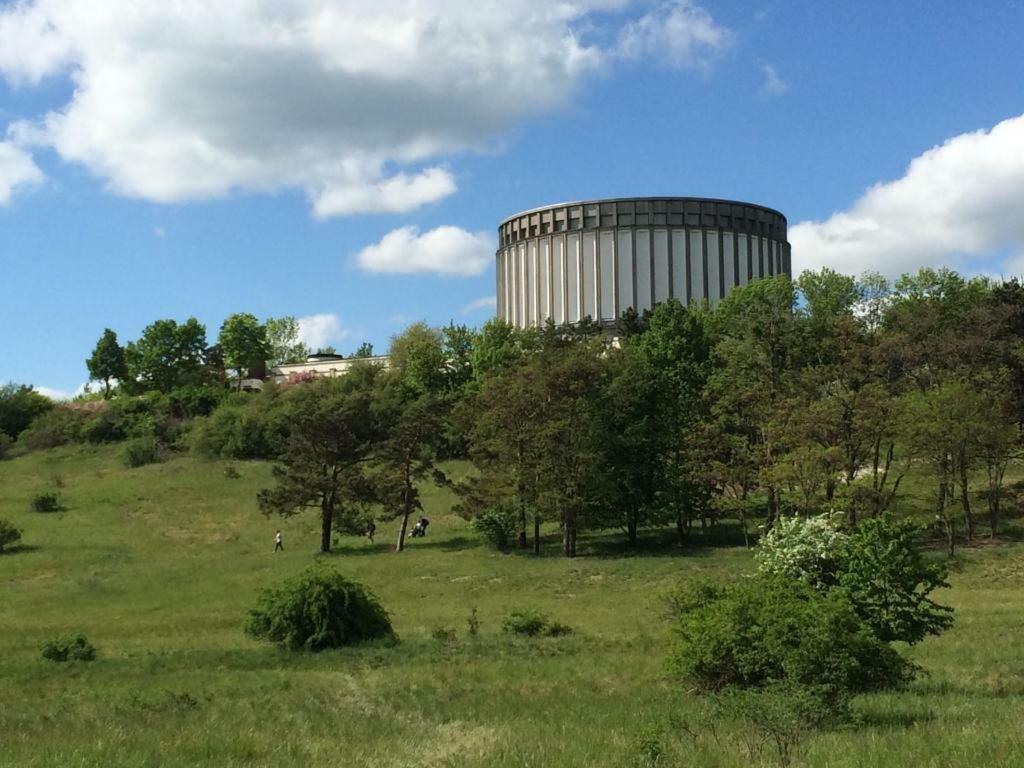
x=155, y=166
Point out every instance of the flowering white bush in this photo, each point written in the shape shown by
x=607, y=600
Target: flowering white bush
x=809, y=549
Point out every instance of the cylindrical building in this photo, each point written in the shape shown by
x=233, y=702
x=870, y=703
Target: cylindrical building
x=596, y=258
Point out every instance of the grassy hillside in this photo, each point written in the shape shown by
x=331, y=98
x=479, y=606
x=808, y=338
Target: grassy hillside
x=158, y=566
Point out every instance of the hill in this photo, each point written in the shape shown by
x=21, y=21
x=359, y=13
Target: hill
x=159, y=565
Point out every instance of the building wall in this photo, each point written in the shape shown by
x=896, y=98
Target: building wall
x=600, y=257
x=325, y=368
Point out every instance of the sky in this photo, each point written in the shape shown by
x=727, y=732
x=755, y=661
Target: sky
x=348, y=162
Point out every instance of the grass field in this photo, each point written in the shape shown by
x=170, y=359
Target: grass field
x=159, y=565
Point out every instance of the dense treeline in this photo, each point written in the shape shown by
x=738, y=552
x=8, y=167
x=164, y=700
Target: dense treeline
x=787, y=398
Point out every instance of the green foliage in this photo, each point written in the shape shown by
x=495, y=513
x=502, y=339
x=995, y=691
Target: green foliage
x=167, y=356
x=473, y=623
x=889, y=582
x=243, y=343
x=141, y=451
x=20, y=405
x=45, y=502
x=59, y=426
x=363, y=350
x=877, y=568
x=317, y=610
x=69, y=648
x=527, y=622
x=283, y=339
x=8, y=534
x=245, y=427
x=498, y=526
x=5, y=445
x=811, y=550
x=418, y=356
x=770, y=631
x=107, y=361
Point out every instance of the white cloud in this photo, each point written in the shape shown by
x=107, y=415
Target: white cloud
x=773, y=84
x=679, y=32
x=444, y=251
x=957, y=205
x=322, y=330
x=62, y=394
x=484, y=302
x=17, y=171
x=355, y=103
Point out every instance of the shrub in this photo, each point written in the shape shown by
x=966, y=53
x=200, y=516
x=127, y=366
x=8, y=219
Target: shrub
x=254, y=427
x=444, y=634
x=56, y=427
x=45, y=502
x=231, y=473
x=473, y=623
x=140, y=451
x=531, y=623
x=317, y=610
x=69, y=648
x=8, y=534
x=888, y=581
x=767, y=631
x=878, y=568
x=498, y=526
x=5, y=445
x=811, y=550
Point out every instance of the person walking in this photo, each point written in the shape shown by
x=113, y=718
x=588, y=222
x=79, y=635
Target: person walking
x=371, y=528
x=278, y=545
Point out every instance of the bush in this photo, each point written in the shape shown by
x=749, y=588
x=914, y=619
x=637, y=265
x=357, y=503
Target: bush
x=245, y=427
x=56, y=427
x=69, y=648
x=443, y=634
x=878, y=568
x=499, y=526
x=317, y=610
x=811, y=550
x=767, y=631
x=8, y=534
x=5, y=445
x=530, y=623
x=45, y=502
x=140, y=451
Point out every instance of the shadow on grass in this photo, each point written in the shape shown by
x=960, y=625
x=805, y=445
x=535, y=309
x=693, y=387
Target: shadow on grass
x=451, y=544
x=16, y=549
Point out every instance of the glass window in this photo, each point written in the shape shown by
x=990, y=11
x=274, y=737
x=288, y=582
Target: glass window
x=766, y=259
x=714, y=267
x=743, y=246
x=625, y=253
x=728, y=261
x=557, y=282
x=545, y=280
x=680, y=280
x=697, y=292
x=590, y=275
x=607, y=244
x=661, y=279
x=572, y=277
x=533, y=312
x=643, y=270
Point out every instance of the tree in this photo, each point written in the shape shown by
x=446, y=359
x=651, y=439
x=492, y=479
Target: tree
x=499, y=345
x=8, y=534
x=331, y=435
x=167, y=356
x=20, y=404
x=418, y=355
x=412, y=425
x=365, y=350
x=107, y=361
x=458, y=343
x=285, y=344
x=243, y=341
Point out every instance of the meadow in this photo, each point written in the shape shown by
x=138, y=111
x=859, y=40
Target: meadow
x=159, y=565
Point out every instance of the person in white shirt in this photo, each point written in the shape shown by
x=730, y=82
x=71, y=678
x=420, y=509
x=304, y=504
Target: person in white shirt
x=278, y=546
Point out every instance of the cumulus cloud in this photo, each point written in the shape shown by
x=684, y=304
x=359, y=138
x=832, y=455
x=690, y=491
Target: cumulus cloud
x=355, y=103
x=62, y=394
x=957, y=205
x=484, y=302
x=17, y=171
x=321, y=330
x=773, y=84
x=443, y=251
x=678, y=32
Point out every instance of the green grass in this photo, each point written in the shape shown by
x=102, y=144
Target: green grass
x=159, y=565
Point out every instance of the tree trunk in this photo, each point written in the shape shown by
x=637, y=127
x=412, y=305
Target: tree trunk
x=965, y=500
x=326, y=520
x=569, y=534
x=632, y=523
x=406, y=511
x=536, y=534
x=522, y=523
x=773, y=508
x=680, y=528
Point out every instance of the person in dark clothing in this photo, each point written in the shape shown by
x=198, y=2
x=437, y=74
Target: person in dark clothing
x=371, y=528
